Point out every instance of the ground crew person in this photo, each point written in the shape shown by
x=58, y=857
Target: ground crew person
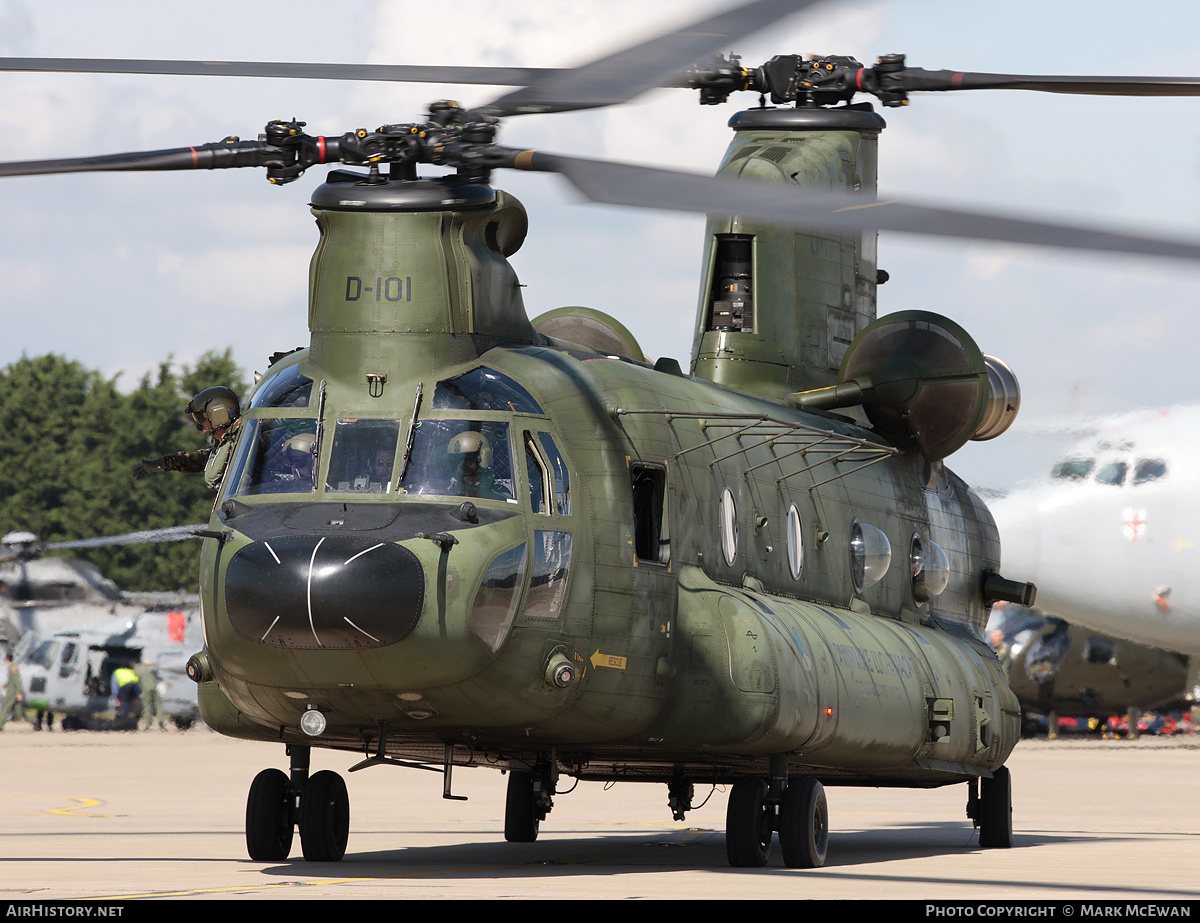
x=125, y=690
x=152, y=707
x=13, y=705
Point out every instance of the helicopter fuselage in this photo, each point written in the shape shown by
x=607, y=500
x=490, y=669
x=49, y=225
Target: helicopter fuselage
x=685, y=552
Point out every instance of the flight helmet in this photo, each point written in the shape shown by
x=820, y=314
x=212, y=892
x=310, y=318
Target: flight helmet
x=218, y=406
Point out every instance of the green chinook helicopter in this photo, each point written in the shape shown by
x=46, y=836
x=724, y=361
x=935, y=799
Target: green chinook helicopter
x=453, y=536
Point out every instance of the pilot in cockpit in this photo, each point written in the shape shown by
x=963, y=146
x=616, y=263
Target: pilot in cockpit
x=470, y=455
x=297, y=458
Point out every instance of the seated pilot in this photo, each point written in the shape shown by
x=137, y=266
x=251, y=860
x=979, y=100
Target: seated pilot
x=470, y=456
x=297, y=457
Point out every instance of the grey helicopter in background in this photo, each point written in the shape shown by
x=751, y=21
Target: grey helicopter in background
x=68, y=627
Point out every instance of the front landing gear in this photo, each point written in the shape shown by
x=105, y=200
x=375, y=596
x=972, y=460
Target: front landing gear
x=324, y=818
x=277, y=803
x=269, y=818
x=801, y=819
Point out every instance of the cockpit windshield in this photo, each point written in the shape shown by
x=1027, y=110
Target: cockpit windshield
x=461, y=458
x=1112, y=473
x=290, y=388
x=1075, y=468
x=273, y=457
x=363, y=456
x=1149, y=469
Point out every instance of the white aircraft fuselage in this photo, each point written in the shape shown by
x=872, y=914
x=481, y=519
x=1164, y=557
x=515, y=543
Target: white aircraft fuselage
x=1112, y=539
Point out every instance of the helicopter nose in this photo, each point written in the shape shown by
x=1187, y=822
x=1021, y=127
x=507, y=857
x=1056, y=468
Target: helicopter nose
x=324, y=592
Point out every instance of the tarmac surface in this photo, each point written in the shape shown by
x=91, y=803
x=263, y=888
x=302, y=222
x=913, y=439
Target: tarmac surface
x=160, y=814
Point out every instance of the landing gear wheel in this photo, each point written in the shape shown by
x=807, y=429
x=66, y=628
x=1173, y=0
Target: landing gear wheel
x=749, y=821
x=995, y=810
x=324, y=818
x=804, y=824
x=269, y=817
x=521, y=821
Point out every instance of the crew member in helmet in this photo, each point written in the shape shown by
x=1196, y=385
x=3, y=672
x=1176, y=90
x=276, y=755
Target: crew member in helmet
x=297, y=457
x=470, y=455
x=217, y=414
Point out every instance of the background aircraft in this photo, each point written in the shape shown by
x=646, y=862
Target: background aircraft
x=1061, y=669
x=69, y=673
x=1112, y=537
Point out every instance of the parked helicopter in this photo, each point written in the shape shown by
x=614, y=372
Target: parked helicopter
x=41, y=595
x=69, y=673
x=535, y=551
x=1057, y=668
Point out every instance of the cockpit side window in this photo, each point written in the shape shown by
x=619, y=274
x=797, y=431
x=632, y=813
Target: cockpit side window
x=539, y=500
x=562, y=479
x=1148, y=469
x=483, y=389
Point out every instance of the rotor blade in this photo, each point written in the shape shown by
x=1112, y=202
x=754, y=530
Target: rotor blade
x=400, y=73
x=653, y=63
x=647, y=187
x=167, y=534
x=201, y=157
x=917, y=79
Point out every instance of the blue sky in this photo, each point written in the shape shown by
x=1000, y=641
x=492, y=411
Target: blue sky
x=121, y=271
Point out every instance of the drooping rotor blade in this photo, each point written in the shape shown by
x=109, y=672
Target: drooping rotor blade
x=917, y=79
x=182, y=158
x=659, y=61
x=167, y=534
x=282, y=163
x=647, y=187
x=399, y=73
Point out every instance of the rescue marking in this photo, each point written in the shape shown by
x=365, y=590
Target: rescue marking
x=612, y=661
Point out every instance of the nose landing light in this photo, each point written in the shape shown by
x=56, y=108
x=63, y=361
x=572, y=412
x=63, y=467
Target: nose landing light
x=312, y=723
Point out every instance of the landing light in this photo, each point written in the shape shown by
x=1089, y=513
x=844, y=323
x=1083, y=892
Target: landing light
x=312, y=723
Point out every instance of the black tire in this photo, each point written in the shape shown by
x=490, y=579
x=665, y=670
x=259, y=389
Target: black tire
x=995, y=811
x=269, y=817
x=324, y=817
x=804, y=824
x=749, y=821
x=521, y=821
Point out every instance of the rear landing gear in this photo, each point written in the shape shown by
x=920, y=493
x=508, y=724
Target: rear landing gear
x=749, y=821
x=801, y=819
x=529, y=800
x=995, y=810
x=804, y=824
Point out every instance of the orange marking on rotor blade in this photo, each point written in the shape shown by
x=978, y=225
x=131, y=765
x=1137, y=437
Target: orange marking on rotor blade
x=524, y=160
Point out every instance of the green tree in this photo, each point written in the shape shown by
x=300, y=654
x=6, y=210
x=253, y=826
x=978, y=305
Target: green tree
x=68, y=441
